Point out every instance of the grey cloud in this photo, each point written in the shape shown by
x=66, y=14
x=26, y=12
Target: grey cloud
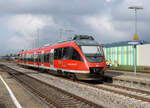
x=51, y=6
x=71, y=14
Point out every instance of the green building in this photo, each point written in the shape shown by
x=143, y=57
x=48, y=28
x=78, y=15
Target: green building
x=123, y=54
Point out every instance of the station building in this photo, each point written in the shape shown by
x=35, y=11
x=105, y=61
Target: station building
x=122, y=53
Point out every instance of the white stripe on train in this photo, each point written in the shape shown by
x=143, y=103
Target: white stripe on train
x=73, y=71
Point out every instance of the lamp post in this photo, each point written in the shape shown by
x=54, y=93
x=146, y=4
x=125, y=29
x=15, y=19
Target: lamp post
x=135, y=8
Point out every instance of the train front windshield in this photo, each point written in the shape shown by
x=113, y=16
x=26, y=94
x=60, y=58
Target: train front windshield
x=93, y=53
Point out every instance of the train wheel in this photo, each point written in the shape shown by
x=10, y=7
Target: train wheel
x=73, y=77
x=42, y=70
x=66, y=74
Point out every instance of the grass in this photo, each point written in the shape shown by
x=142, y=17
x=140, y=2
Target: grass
x=131, y=68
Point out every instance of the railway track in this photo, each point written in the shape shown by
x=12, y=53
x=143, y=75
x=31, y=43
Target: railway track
x=54, y=96
x=122, y=90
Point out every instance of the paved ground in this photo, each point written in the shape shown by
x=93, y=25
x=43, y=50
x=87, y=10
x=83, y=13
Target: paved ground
x=115, y=73
x=138, y=81
x=23, y=96
x=5, y=100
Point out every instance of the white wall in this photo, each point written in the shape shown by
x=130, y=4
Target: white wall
x=144, y=55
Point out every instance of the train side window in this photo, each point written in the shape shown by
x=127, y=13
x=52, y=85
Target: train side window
x=32, y=58
x=39, y=57
x=28, y=57
x=65, y=53
x=20, y=58
x=42, y=58
x=25, y=58
x=76, y=55
x=36, y=58
x=46, y=58
x=48, y=55
x=51, y=58
x=58, y=53
x=55, y=54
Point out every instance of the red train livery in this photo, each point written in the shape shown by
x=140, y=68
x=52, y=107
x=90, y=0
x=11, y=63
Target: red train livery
x=80, y=58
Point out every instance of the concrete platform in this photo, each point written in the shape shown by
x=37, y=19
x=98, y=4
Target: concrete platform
x=5, y=99
x=140, y=80
x=24, y=97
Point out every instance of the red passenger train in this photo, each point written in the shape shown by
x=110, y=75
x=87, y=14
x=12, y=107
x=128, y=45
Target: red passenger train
x=80, y=58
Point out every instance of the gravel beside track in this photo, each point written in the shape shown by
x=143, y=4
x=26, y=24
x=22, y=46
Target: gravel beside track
x=53, y=95
x=104, y=96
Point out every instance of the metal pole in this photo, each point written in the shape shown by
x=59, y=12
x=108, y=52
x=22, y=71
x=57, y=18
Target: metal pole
x=135, y=59
x=135, y=45
x=135, y=21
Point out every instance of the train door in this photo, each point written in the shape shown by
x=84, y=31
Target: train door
x=42, y=58
x=51, y=58
x=27, y=58
x=34, y=58
x=38, y=58
x=65, y=56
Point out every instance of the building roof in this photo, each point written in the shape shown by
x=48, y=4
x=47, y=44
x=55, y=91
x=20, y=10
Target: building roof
x=123, y=43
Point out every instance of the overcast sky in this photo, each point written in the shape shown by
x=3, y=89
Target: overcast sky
x=107, y=20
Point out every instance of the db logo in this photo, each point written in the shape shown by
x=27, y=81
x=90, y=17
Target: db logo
x=97, y=65
x=59, y=62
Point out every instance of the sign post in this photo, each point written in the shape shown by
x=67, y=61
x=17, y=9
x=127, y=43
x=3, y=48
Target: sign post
x=135, y=59
x=134, y=43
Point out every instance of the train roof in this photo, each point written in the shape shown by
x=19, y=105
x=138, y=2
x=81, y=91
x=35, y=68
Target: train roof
x=84, y=40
